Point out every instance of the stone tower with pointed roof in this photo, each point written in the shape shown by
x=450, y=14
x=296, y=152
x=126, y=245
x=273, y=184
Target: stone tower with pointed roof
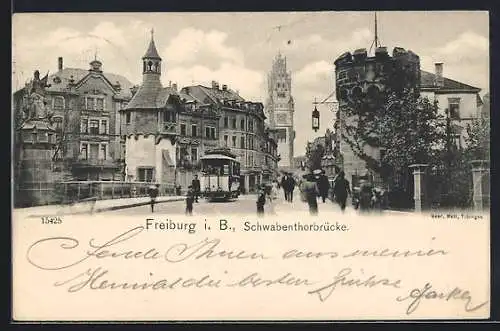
x=280, y=109
x=149, y=124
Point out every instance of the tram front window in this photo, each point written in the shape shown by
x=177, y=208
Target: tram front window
x=216, y=167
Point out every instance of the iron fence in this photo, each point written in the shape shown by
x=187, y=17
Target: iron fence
x=46, y=193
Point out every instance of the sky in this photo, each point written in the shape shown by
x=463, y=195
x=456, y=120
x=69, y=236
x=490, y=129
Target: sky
x=237, y=49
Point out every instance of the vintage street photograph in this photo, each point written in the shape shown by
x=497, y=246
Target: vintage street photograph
x=254, y=113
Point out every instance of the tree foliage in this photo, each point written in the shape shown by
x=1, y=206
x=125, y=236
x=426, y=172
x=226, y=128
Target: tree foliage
x=405, y=126
x=478, y=139
x=314, y=154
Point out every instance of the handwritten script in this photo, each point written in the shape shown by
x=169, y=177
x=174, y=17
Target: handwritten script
x=90, y=268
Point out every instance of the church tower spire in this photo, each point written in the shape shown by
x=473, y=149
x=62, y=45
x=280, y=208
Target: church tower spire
x=280, y=109
x=151, y=60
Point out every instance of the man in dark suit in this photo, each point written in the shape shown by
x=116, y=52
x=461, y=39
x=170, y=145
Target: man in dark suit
x=196, y=187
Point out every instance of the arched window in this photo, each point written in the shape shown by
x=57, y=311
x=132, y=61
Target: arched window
x=150, y=65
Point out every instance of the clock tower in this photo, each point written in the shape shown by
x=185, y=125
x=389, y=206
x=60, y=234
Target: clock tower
x=280, y=110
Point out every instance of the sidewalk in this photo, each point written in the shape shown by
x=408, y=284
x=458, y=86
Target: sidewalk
x=85, y=207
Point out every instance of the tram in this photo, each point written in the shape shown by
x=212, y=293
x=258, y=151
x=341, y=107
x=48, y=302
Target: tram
x=220, y=175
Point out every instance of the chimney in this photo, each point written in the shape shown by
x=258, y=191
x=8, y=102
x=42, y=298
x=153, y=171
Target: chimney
x=439, y=74
x=224, y=87
x=59, y=63
x=174, y=87
x=215, y=85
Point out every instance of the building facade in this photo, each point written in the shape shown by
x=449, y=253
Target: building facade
x=280, y=110
x=167, y=130
x=462, y=101
x=85, y=108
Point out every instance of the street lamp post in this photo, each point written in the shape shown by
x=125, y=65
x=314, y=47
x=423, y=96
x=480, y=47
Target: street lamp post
x=315, y=119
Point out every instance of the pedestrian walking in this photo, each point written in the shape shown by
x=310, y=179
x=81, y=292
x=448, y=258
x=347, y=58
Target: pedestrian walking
x=310, y=189
x=365, y=196
x=154, y=190
x=284, y=185
x=195, y=183
x=261, y=201
x=341, y=190
x=190, y=200
x=272, y=196
x=323, y=186
x=291, y=186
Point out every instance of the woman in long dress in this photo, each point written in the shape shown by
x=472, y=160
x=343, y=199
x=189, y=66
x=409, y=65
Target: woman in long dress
x=273, y=196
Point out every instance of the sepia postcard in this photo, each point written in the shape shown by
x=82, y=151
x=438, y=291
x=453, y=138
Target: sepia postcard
x=267, y=166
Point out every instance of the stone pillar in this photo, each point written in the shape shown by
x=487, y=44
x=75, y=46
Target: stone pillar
x=480, y=168
x=419, y=185
x=247, y=183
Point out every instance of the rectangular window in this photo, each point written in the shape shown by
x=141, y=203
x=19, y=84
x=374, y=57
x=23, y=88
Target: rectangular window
x=99, y=104
x=226, y=122
x=233, y=122
x=94, y=126
x=44, y=137
x=84, y=151
x=194, y=154
x=242, y=142
x=145, y=174
x=234, y=141
x=58, y=121
x=212, y=133
x=58, y=103
x=225, y=140
x=250, y=125
x=207, y=132
x=104, y=127
x=84, y=125
x=104, y=151
x=454, y=108
x=94, y=151
x=168, y=117
x=90, y=103
x=194, y=130
x=342, y=75
x=127, y=118
x=183, y=129
x=242, y=124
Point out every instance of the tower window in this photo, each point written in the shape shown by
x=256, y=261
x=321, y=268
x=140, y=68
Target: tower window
x=150, y=65
x=145, y=174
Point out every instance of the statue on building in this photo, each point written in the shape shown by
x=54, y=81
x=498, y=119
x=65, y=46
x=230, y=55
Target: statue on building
x=35, y=106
